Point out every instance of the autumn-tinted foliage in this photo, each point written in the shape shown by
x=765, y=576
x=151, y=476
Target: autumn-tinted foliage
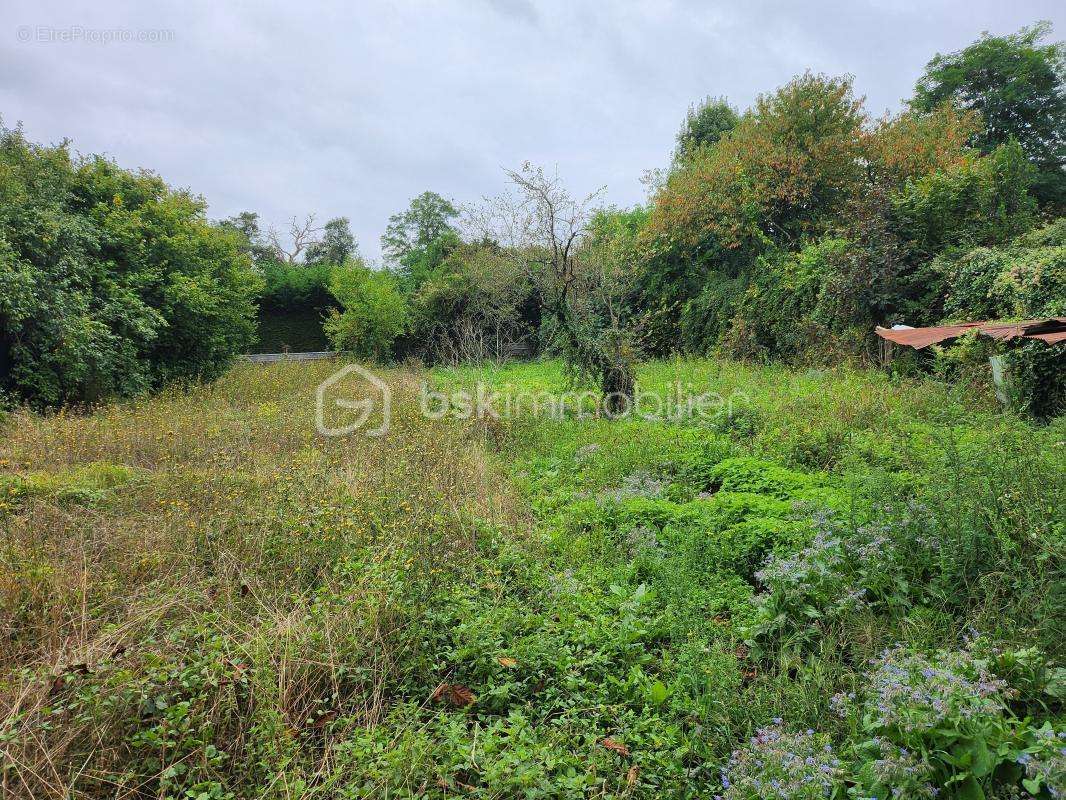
x=779, y=175
x=808, y=224
x=912, y=144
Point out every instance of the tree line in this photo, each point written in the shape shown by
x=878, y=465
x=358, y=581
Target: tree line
x=785, y=231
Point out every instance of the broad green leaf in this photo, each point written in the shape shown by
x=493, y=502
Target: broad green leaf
x=658, y=693
x=1032, y=785
x=971, y=790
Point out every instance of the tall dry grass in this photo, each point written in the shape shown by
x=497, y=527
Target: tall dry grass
x=215, y=530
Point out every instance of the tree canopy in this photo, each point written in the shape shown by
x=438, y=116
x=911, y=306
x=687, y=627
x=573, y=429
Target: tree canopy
x=704, y=125
x=1016, y=84
x=336, y=246
x=417, y=240
x=785, y=231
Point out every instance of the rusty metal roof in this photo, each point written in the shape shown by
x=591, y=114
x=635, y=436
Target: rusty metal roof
x=1050, y=330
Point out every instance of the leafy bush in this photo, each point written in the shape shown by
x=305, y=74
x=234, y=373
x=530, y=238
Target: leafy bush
x=1037, y=376
x=706, y=318
x=718, y=545
x=748, y=474
x=979, y=201
x=375, y=313
x=1023, y=279
x=886, y=565
x=111, y=283
x=472, y=306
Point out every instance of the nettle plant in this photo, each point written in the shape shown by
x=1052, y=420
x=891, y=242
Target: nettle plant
x=942, y=721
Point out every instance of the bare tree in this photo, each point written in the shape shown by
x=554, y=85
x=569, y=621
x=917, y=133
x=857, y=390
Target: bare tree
x=302, y=235
x=546, y=230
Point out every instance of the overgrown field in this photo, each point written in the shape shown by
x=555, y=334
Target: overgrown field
x=846, y=587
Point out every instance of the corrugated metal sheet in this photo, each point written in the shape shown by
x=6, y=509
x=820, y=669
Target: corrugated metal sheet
x=1051, y=330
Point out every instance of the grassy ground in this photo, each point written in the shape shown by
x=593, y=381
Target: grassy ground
x=203, y=598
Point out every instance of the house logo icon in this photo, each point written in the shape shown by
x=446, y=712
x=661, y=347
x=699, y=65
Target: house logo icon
x=336, y=392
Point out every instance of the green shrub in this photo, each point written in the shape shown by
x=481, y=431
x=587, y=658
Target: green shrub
x=297, y=285
x=1023, y=279
x=746, y=474
x=979, y=201
x=111, y=283
x=1037, y=378
x=735, y=535
x=706, y=318
x=374, y=312
x=801, y=307
x=471, y=306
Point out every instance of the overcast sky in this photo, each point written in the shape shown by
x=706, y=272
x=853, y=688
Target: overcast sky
x=351, y=109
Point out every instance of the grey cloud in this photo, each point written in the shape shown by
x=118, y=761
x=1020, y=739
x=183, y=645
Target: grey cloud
x=523, y=10
x=352, y=109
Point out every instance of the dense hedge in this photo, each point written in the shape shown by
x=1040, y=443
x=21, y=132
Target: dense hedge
x=111, y=283
x=297, y=330
x=289, y=286
x=296, y=300
x=1022, y=279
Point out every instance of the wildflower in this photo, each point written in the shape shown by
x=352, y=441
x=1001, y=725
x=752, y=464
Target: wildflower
x=1045, y=760
x=910, y=699
x=776, y=765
